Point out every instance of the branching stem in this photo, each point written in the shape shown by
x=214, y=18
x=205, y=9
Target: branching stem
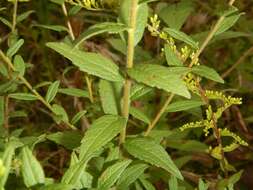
x=29, y=86
x=201, y=49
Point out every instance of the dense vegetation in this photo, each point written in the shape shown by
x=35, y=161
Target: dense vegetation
x=126, y=94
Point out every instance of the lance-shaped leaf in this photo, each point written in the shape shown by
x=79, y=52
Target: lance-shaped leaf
x=184, y=105
x=74, y=92
x=100, y=28
x=52, y=91
x=92, y=63
x=138, y=114
x=171, y=56
x=182, y=37
x=112, y=174
x=7, y=159
x=141, y=20
x=19, y=65
x=166, y=78
x=108, y=97
x=208, y=73
x=23, y=96
x=130, y=175
x=14, y=48
x=31, y=169
x=100, y=133
x=149, y=151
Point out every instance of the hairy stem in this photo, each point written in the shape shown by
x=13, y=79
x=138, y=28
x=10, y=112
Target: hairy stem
x=201, y=49
x=129, y=64
x=29, y=86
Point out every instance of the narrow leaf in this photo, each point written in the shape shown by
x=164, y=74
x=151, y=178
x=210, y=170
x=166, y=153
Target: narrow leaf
x=74, y=92
x=78, y=116
x=31, y=169
x=57, y=28
x=19, y=65
x=227, y=23
x=147, y=185
x=130, y=175
x=208, y=73
x=23, y=96
x=52, y=91
x=92, y=63
x=24, y=15
x=60, y=113
x=171, y=57
x=173, y=183
x=138, y=114
x=183, y=105
x=100, y=28
x=182, y=37
x=14, y=48
x=112, y=174
x=100, y=133
x=107, y=95
x=147, y=150
x=166, y=78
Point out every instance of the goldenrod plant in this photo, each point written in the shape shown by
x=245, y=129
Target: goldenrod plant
x=125, y=94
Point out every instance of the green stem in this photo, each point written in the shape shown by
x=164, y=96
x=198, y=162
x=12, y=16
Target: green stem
x=29, y=86
x=14, y=16
x=201, y=49
x=129, y=64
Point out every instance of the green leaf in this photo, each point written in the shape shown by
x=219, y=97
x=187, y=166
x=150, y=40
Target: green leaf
x=74, y=174
x=112, y=174
x=146, y=1
x=14, y=48
x=107, y=95
x=100, y=28
x=173, y=183
x=78, y=116
x=1, y=111
x=139, y=90
x=183, y=105
x=202, y=185
x=146, y=184
x=60, y=113
x=141, y=20
x=24, y=15
x=147, y=150
x=130, y=175
x=208, y=73
x=171, y=57
x=227, y=23
x=85, y=178
x=166, y=78
x=182, y=37
x=23, y=96
x=138, y=114
x=7, y=160
x=175, y=15
x=52, y=91
x=92, y=63
x=59, y=2
x=6, y=22
x=19, y=65
x=31, y=169
x=57, y=28
x=102, y=131
x=74, y=92
x=58, y=186
x=68, y=139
